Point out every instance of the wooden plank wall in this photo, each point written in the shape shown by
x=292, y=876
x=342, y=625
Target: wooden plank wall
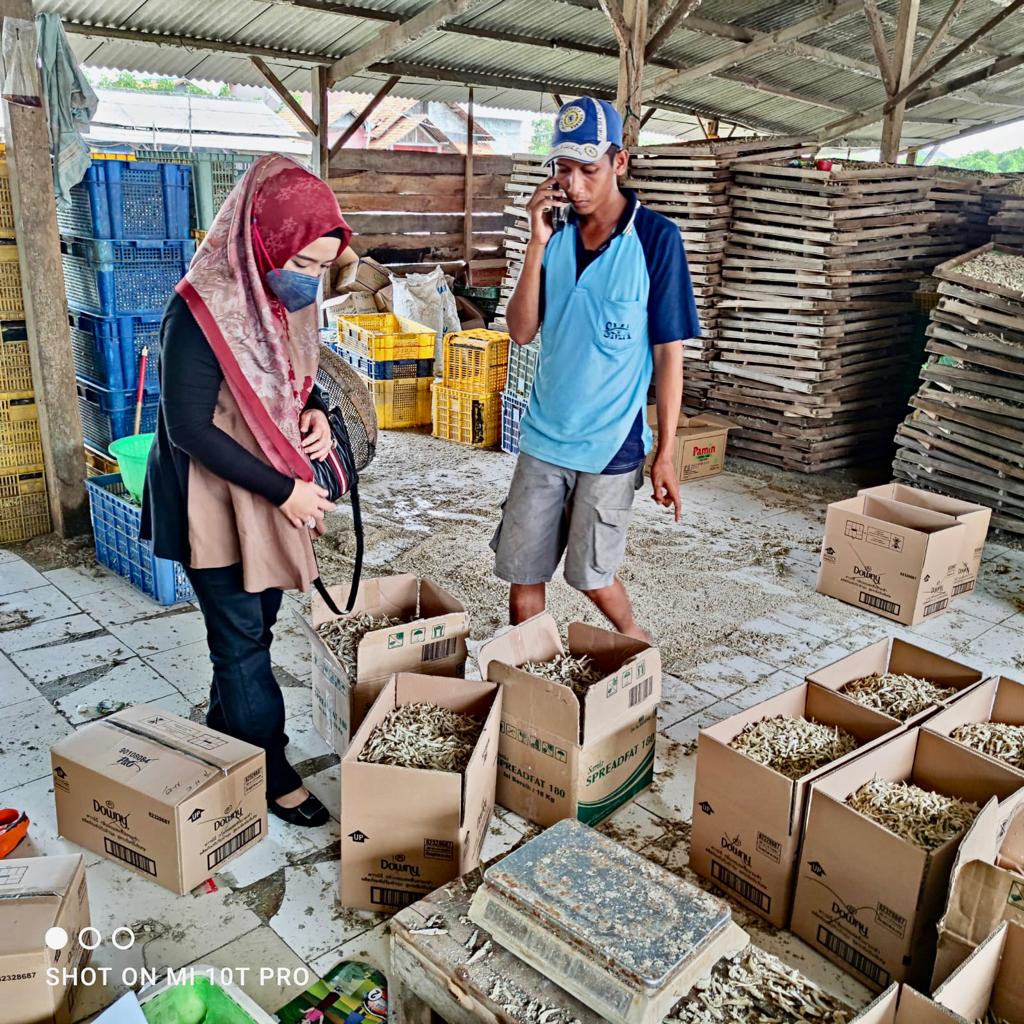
x=409, y=207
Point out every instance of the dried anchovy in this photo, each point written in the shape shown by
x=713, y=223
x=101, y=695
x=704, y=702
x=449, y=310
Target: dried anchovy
x=898, y=695
x=580, y=673
x=995, y=738
x=423, y=736
x=793, y=746
x=754, y=987
x=917, y=815
x=343, y=636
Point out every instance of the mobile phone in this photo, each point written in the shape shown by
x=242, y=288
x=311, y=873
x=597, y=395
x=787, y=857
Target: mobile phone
x=559, y=214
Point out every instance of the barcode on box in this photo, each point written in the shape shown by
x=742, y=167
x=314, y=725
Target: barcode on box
x=741, y=887
x=440, y=649
x=233, y=845
x=963, y=588
x=858, y=961
x=396, y=898
x=137, y=860
x=880, y=603
x=935, y=606
x=640, y=692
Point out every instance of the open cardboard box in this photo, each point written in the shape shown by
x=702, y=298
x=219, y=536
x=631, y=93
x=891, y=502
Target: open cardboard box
x=408, y=831
x=747, y=818
x=986, y=886
x=902, y=658
x=559, y=758
x=169, y=799
x=896, y=560
x=433, y=640
x=349, y=304
x=366, y=275
x=995, y=700
x=700, y=444
x=991, y=979
x=975, y=517
x=36, y=894
x=900, y=1004
x=865, y=898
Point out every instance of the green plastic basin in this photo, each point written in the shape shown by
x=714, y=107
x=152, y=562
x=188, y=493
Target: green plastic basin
x=132, y=454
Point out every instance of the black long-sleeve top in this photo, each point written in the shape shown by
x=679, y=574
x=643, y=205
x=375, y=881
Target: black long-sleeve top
x=190, y=380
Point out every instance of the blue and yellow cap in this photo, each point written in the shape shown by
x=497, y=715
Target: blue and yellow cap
x=584, y=131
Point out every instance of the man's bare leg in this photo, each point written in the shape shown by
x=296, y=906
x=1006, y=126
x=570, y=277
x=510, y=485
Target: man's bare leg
x=526, y=600
x=613, y=603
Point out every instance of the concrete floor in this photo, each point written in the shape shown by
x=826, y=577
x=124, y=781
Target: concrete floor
x=72, y=634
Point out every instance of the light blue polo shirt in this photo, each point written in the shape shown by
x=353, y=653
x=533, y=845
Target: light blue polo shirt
x=601, y=314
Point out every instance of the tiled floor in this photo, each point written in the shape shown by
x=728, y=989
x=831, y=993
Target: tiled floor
x=73, y=636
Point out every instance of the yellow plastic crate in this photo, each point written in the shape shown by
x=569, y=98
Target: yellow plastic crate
x=21, y=447
x=401, y=404
x=98, y=464
x=24, y=510
x=476, y=360
x=12, y=305
x=6, y=203
x=15, y=368
x=386, y=336
x=198, y=235
x=466, y=417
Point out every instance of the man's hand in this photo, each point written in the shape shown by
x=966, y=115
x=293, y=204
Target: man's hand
x=316, y=433
x=548, y=196
x=665, y=486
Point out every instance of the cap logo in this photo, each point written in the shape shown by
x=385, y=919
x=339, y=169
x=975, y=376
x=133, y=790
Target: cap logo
x=591, y=151
x=572, y=117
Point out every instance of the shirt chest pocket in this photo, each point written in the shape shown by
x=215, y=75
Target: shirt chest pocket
x=620, y=323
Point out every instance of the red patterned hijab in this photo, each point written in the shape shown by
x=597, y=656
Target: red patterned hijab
x=262, y=349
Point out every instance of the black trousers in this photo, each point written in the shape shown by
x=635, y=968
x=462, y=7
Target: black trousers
x=245, y=698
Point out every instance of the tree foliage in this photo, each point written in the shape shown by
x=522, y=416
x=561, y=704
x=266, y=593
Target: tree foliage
x=543, y=128
x=128, y=80
x=1008, y=161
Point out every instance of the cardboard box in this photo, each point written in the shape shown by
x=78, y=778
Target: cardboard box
x=893, y=559
x=168, y=798
x=700, y=444
x=974, y=517
x=365, y=276
x=37, y=894
x=560, y=759
x=995, y=700
x=865, y=898
x=384, y=300
x=900, y=1004
x=898, y=656
x=408, y=831
x=349, y=304
x=986, y=886
x=432, y=640
x=990, y=981
x=748, y=819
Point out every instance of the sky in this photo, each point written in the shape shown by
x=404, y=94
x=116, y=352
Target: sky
x=1007, y=136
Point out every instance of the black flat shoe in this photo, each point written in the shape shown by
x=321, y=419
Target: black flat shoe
x=310, y=813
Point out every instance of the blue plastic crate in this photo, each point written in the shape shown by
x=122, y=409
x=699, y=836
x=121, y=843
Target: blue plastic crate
x=123, y=277
x=108, y=415
x=522, y=366
x=115, y=525
x=512, y=409
x=130, y=199
x=386, y=369
x=107, y=349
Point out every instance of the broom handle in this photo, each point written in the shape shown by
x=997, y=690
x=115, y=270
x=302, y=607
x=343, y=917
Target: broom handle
x=140, y=387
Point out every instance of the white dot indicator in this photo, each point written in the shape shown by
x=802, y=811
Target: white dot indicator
x=56, y=938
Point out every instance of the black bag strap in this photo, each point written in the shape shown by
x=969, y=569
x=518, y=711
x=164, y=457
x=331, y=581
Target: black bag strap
x=357, y=569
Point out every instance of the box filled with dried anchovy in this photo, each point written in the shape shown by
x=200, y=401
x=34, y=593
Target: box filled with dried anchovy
x=417, y=789
x=902, y=681
x=881, y=837
x=578, y=725
x=754, y=772
x=901, y=1004
x=398, y=624
x=989, y=986
x=989, y=719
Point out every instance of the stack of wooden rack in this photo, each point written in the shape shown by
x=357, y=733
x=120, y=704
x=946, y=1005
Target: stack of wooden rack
x=1007, y=221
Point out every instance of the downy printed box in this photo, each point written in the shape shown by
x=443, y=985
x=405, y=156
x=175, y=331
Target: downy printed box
x=172, y=800
x=866, y=898
x=408, y=831
x=747, y=818
x=431, y=638
x=560, y=757
x=990, y=984
x=893, y=559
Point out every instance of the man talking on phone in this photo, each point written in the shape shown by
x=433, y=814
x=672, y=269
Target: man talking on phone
x=605, y=281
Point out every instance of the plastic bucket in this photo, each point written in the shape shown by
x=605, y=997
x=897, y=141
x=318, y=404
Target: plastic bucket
x=199, y=999
x=132, y=454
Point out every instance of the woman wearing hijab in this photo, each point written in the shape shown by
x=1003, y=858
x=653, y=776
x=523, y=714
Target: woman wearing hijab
x=229, y=488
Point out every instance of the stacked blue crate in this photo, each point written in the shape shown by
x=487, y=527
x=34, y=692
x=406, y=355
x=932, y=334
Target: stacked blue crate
x=512, y=409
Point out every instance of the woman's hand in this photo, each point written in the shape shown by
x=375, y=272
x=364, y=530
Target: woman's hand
x=316, y=433
x=306, y=505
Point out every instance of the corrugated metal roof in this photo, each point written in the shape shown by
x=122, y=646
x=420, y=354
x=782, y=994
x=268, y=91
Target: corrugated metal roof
x=774, y=91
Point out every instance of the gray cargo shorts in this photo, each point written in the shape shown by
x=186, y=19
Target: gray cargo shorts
x=551, y=511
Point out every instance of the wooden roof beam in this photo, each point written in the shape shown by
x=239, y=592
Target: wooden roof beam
x=939, y=35
x=663, y=27
x=284, y=95
x=362, y=117
x=880, y=45
x=903, y=58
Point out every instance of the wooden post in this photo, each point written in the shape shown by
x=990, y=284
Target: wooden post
x=467, y=227
x=362, y=116
x=322, y=117
x=912, y=156
x=632, y=55
x=46, y=311
x=903, y=59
